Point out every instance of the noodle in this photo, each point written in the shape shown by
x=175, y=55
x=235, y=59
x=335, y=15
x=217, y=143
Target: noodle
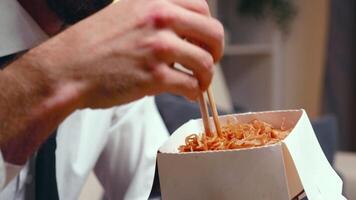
x=236, y=136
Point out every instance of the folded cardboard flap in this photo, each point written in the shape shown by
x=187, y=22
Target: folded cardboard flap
x=295, y=186
x=318, y=178
x=278, y=171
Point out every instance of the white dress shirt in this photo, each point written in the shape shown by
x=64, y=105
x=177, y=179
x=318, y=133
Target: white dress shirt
x=119, y=144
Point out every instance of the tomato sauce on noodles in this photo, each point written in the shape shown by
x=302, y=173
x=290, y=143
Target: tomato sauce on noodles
x=236, y=136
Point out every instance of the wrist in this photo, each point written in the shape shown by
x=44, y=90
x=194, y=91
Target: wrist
x=32, y=104
x=37, y=77
x=56, y=62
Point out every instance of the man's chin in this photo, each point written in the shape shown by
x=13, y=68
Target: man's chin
x=72, y=11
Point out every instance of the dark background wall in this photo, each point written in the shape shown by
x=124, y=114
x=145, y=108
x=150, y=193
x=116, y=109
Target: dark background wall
x=340, y=81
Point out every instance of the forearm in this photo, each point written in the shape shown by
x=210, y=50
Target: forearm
x=31, y=107
x=112, y=64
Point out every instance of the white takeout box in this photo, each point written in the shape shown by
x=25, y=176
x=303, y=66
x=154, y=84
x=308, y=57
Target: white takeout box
x=276, y=172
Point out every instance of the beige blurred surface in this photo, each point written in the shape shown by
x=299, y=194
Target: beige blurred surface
x=305, y=48
x=92, y=189
x=296, y=60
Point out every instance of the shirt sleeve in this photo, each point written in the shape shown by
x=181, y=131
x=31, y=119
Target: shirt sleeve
x=126, y=166
x=7, y=172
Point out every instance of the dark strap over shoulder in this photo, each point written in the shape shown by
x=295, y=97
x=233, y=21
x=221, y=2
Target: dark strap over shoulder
x=46, y=183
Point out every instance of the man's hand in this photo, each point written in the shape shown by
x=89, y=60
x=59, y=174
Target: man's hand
x=118, y=55
x=125, y=51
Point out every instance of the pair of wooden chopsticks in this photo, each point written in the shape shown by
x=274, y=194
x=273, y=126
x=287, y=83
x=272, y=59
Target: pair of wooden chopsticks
x=205, y=113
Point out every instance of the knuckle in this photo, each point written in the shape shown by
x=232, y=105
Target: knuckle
x=205, y=6
x=202, y=6
x=194, y=96
x=160, y=44
x=156, y=5
x=159, y=75
x=161, y=48
x=208, y=63
x=205, y=81
x=191, y=87
x=219, y=40
x=219, y=31
x=160, y=15
x=206, y=77
x=191, y=84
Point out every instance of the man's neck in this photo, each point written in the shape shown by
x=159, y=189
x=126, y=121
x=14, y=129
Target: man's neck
x=44, y=17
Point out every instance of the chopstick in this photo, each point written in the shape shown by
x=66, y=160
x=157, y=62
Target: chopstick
x=205, y=114
x=214, y=111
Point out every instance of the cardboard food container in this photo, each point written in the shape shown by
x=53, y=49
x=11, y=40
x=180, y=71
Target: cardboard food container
x=276, y=172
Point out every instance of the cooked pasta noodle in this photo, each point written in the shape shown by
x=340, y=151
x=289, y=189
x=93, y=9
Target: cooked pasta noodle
x=236, y=136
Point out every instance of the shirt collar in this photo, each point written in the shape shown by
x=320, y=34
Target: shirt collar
x=18, y=31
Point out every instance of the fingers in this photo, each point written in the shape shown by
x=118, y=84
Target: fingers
x=206, y=31
x=176, y=82
x=170, y=49
x=199, y=6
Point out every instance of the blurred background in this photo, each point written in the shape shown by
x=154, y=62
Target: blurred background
x=289, y=54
